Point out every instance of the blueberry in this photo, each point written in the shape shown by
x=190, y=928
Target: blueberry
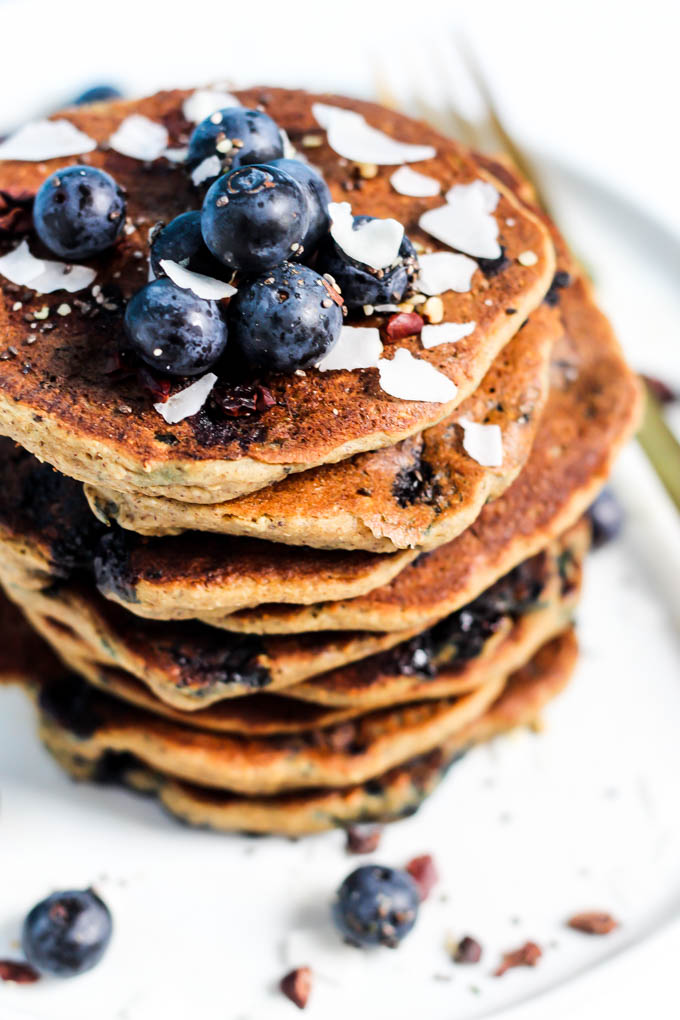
x=285, y=319
x=376, y=906
x=173, y=330
x=79, y=211
x=606, y=518
x=67, y=933
x=254, y=217
x=97, y=94
x=238, y=137
x=182, y=241
x=318, y=196
x=361, y=285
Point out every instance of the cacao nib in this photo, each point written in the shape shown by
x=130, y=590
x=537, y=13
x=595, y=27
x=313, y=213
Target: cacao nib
x=18, y=972
x=468, y=950
x=363, y=839
x=424, y=873
x=594, y=922
x=527, y=955
x=297, y=985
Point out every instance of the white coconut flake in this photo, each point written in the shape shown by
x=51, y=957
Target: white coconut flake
x=350, y=136
x=358, y=347
x=445, y=270
x=207, y=168
x=176, y=155
x=46, y=139
x=445, y=333
x=140, y=138
x=206, y=287
x=409, y=182
x=289, y=150
x=188, y=401
x=375, y=243
x=466, y=221
x=412, y=378
x=484, y=443
x=43, y=275
x=201, y=103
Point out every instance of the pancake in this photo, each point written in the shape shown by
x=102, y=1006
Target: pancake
x=395, y=794
x=58, y=402
x=47, y=531
x=593, y=408
x=420, y=493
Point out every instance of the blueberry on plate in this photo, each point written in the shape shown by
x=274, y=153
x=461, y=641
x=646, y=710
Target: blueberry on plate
x=181, y=241
x=237, y=136
x=285, y=319
x=606, y=518
x=67, y=933
x=254, y=217
x=78, y=212
x=97, y=94
x=361, y=285
x=173, y=330
x=318, y=196
x=376, y=906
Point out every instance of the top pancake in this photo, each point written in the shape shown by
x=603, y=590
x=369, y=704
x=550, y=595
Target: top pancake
x=56, y=400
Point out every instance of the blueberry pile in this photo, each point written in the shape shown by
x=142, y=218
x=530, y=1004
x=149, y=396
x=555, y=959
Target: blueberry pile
x=263, y=227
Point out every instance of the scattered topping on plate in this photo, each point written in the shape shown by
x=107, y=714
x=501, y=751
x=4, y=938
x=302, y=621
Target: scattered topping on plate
x=465, y=221
x=484, y=443
x=373, y=242
x=424, y=873
x=206, y=287
x=351, y=137
x=201, y=103
x=188, y=401
x=140, y=138
x=67, y=933
x=468, y=950
x=18, y=972
x=358, y=347
x=376, y=906
x=43, y=275
x=410, y=378
x=445, y=333
x=46, y=139
x=445, y=270
x=297, y=985
x=410, y=182
x=527, y=955
x=594, y=922
x=363, y=839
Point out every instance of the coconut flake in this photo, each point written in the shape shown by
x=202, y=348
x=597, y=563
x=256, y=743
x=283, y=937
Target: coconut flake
x=357, y=347
x=201, y=103
x=484, y=443
x=43, y=275
x=375, y=243
x=466, y=221
x=445, y=333
x=445, y=270
x=409, y=182
x=206, y=287
x=412, y=378
x=176, y=155
x=140, y=138
x=350, y=136
x=46, y=139
x=207, y=168
x=289, y=150
x=188, y=401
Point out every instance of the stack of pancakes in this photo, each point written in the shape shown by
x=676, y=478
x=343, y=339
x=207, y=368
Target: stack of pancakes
x=286, y=619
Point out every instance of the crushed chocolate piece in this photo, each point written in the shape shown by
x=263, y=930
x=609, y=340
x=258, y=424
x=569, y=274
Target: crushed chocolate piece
x=15, y=211
x=594, y=922
x=424, y=873
x=363, y=839
x=156, y=386
x=243, y=399
x=468, y=950
x=297, y=985
x=401, y=325
x=18, y=972
x=527, y=955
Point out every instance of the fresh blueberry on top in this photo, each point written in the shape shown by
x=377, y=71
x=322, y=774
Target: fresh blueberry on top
x=97, y=94
x=254, y=217
x=173, y=330
x=67, y=933
x=238, y=137
x=78, y=212
x=361, y=285
x=286, y=319
x=318, y=196
x=606, y=518
x=376, y=906
x=181, y=241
